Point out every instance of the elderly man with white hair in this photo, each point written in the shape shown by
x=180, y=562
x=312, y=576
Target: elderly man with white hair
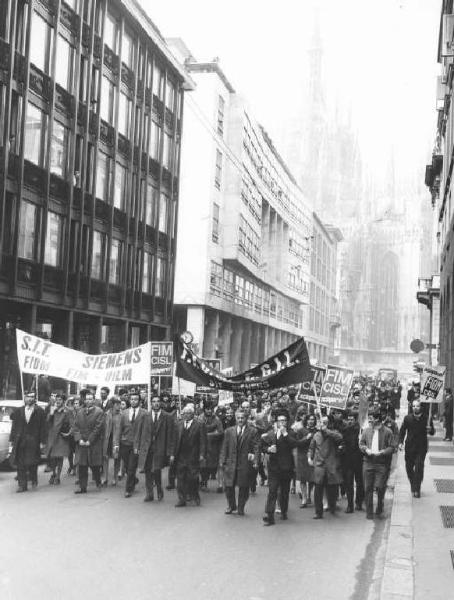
x=190, y=451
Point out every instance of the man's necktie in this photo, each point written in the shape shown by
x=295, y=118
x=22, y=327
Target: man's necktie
x=133, y=416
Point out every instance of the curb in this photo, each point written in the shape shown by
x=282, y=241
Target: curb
x=398, y=574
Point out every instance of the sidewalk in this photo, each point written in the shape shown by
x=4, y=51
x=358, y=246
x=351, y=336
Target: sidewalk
x=419, y=564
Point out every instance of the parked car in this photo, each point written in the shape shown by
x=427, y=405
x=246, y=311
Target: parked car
x=6, y=408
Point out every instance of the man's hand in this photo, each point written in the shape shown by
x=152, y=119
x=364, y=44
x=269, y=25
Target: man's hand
x=368, y=452
x=10, y=449
x=136, y=451
x=250, y=456
x=310, y=462
x=172, y=460
x=272, y=449
x=401, y=446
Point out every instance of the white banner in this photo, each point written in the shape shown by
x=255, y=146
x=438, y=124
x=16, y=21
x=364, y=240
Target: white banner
x=41, y=357
x=432, y=384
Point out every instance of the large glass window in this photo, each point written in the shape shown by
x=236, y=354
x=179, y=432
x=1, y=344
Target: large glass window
x=111, y=33
x=147, y=272
x=40, y=41
x=127, y=50
x=53, y=254
x=150, y=204
x=116, y=251
x=170, y=95
x=107, y=100
x=28, y=231
x=64, y=63
x=59, y=150
x=120, y=187
x=215, y=227
x=218, y=171
x=103, y=174
x=98, y=255
x=155, y=140
x=220, y=118
x=160, y=288
x=35, y=134
x=167, y=151
x=158, y=81
x=163, y=212
x=124, y=115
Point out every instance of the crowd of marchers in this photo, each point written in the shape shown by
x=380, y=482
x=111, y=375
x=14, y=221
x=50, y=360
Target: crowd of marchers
x=272, y=439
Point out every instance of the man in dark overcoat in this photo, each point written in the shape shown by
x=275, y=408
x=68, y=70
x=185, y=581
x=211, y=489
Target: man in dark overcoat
x=190, y=451
x=154, y=444
x=27, y=439
x=88, y=432
x=239, y=453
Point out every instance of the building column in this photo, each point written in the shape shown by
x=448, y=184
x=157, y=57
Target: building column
x=196, y=325
x=95, y=339
x=272, y=241
x=245, y=358
x=211, y=333
x=225, y=332
x=237, y=335
x=256, y=334
x=30, y=318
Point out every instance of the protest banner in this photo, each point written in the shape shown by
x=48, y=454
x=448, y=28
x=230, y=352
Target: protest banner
x=336, y=387
x=225, y=398
x=161, y=358
x=310, y=390
x=289, y=366
x=432, y=384
x=41, y=357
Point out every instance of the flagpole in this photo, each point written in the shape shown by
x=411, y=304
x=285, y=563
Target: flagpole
x=22, y=384
x=179, y=397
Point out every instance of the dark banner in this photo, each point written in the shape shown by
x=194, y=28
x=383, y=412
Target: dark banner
x=289, y=366
x=311, y=390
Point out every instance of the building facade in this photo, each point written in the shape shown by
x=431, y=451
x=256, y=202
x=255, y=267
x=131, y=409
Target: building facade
x=242, y=289
x=90, y=125
x=324, y=317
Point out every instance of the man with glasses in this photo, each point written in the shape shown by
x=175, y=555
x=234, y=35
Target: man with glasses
x=278, y=444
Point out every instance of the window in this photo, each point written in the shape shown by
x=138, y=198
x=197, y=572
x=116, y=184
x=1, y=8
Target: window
x=215, y=228
x=28, y=231
x=120, y=187
x=167, y=151
x=127, y=50
x=216, y=279
x=64, y=63
x=170, y=95
x=160, y=288
x=107, y=100
x=103, y=175
x=147, y=272
x=35, y=134
x=14, y=132
x=158, y=81
x=53, y=253
x=229, y=286
x=155, y=141
x=218, y=171
x=111, y=33
x=40, y=42
x=221, y=107
x=83, y=77
x=163, y=212
x=98, y=255
x=59, y=150
x=149, y=205
x=124, y=115
x=116, y=251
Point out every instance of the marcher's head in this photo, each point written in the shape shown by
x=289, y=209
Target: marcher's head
x=311, y=421
x=156, y=403
x=29, y=399
x=246, y=407
x=351, y=418
x=282, y=421
x=188, y=412
x=116, y=404
x=240, y=417
x=89, y=400
x=134, y=400
x=123, y=404
x=59, y=401
x=416, y=405
x=376, y=415
x=229, y=412
x=105, y=391
x=324, y=421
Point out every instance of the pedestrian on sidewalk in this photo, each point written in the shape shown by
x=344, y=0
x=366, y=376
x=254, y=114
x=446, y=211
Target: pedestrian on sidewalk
x=447, y=415
x=377, y=445
x=414, y=430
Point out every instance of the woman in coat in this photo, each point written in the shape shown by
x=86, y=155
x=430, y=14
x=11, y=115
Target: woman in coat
x=304, y=431
x=59, y=430
x=215, y=434
x=111, y=426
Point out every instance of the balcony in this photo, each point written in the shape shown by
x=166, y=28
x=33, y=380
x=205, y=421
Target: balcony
x=106, y=133
x=58, y=187
x=124, y=145
x=428, y=288
x=35, y=176
x=19, y=67
x=27, y=271
x=111, y=60
x=97, y=46
x=69, y=18
x=64, y=101
x=40, y=83
x=53, y=277
x=127, y=76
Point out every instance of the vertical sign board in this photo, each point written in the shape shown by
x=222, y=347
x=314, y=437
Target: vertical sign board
x=161, y=358
x=311, y=389
x=432, y=383
x=336, y=387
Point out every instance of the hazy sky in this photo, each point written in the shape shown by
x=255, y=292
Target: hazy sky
x=379, y=62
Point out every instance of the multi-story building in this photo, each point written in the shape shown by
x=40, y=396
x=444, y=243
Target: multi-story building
x=324, y=317
x=90, y=124
x=242, y=289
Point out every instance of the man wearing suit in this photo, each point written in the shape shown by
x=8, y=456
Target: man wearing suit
x=154, y=445
x=415, y=428
x=27, y=438
x=88, y=432
x=376, y=444
x=239, y=452
x=278, y=444
x=128, y=430
x=190, y=451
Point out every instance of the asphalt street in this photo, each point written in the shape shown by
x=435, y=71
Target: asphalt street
x=57, y=545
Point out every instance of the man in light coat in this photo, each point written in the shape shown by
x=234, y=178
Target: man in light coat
x=88, y=434
x=239, y=454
